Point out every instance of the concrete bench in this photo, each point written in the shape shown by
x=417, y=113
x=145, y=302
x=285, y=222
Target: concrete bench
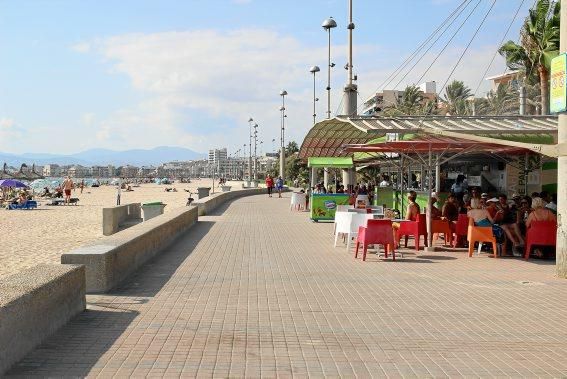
x=109, y=260
x=119, y=216
x=34, y=303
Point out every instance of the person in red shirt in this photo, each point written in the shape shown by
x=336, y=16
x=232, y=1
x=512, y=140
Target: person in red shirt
x=269, y=184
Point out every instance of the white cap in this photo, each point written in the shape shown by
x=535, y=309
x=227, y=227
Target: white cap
x=434, y=194
x=493, y=200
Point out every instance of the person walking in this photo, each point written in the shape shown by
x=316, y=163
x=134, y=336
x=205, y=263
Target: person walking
x=269, y=184
x=67, y=187
x=279, y=186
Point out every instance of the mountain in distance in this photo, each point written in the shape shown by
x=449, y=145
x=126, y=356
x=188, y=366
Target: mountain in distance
x=103, y=157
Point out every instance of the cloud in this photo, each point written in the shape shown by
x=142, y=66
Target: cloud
x=200, y=87
x=81, y=47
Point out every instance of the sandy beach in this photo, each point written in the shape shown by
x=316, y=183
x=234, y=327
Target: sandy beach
x=41, y=235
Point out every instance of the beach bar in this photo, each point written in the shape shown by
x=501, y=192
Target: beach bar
x=324, y=205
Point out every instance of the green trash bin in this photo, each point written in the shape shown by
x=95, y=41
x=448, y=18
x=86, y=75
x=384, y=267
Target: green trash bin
x=152, y=209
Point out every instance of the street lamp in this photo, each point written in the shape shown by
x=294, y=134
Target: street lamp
x=329, y=24
x=283, y=94
x=250, y=121
x=243, y=160
x=314, y=70
x=255, y=154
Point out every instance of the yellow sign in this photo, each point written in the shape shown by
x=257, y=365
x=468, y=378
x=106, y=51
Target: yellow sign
x=558, y=90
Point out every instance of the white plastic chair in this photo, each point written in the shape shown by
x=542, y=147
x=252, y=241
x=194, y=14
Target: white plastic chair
x=348, y=223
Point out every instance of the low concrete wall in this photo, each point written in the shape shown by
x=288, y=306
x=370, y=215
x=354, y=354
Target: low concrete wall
x=109, y=260
x=35, y=303
x=113, y=217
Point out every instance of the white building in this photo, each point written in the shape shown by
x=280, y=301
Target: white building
x=51, y=170
x=218, y=159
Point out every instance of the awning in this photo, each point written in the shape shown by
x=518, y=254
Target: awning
x=333, y=162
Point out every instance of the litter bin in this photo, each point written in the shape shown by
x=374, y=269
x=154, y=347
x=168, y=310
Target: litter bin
x=203, y=192
x=152, y=209
x=225, y=188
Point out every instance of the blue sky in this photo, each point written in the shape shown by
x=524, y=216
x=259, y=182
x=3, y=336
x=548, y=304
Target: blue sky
x=122, y=74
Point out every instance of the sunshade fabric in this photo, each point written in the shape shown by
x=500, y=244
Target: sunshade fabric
x=333, y=162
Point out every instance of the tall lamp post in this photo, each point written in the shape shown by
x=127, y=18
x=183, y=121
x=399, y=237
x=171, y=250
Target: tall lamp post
x=243, y=161
x=250, y=121
x=255, y=151
x=283, y=94
x=314, y=70
x=329, y=24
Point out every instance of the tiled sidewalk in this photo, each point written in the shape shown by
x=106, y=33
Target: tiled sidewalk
x=258, y=290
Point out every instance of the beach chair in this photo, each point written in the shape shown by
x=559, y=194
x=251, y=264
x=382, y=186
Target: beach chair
x=376, y=232
x=540, y=233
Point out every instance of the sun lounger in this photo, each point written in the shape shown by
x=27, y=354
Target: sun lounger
x=30, y=204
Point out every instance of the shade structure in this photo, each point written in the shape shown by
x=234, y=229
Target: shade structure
x=330, y=162
x=426, y=144
x=327, y=138
x=12, y=183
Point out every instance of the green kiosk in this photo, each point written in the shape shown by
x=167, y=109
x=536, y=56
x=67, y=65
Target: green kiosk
x=324, y=205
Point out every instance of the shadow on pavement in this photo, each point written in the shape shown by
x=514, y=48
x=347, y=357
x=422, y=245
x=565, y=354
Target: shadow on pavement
x=151, y=277
x=77, y=347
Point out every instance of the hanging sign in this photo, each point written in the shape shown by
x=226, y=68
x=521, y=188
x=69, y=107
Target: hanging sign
x=558, y=90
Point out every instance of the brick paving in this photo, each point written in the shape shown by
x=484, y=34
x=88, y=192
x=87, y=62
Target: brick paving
x=256, y=290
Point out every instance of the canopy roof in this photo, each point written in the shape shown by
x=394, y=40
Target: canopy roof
x=335, y=162
x=327, y=138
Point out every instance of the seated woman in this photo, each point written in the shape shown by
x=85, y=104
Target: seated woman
x=539, y=212
x=435, y=212
x=482, y=217
x=412, y=212
x=450, y=209
x=507, y=220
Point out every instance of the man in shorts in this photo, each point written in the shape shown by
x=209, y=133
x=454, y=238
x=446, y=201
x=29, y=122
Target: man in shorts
x=67, y=187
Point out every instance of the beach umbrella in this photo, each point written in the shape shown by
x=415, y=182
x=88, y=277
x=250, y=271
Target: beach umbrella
x=12, y=183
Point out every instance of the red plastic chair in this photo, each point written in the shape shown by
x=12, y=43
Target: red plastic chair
x=541, y=233
x=376, y=232
x=442, y=227
x=461, y=229
x=413, y=228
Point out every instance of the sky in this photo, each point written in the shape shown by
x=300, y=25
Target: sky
x=76, y=75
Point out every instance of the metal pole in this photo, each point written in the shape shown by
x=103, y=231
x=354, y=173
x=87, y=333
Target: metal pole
x=250, y=152
x=314, y=100
x=255, y=152
x=329, y=78
x=428, y=211
x=282, y=147
x=561, y=249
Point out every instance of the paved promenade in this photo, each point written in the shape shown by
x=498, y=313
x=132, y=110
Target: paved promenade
x=256, y=290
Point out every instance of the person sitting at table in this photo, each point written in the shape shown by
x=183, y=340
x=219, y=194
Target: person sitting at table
x=450, y=210
x=539, y=212
x=482, y=217
x=435, y=212
x=341, y=189
x=507, y=220
x=412, y=211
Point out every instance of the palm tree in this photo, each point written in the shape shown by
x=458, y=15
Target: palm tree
x=411, y=103
x=503, y=101
x=455, y=99
x=539, y=43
